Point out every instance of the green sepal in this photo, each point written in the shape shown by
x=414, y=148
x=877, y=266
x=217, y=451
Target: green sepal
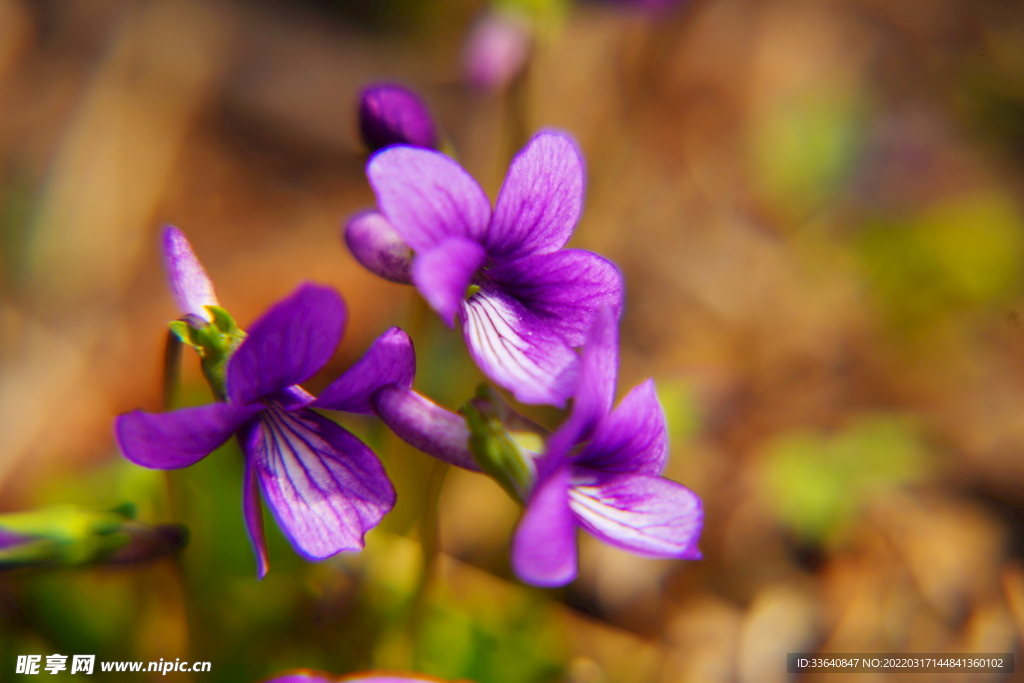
x=505, y=454
x=214, y=342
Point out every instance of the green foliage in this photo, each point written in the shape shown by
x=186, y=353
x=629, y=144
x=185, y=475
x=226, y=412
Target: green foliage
x=805, y=146
x=962, y=252
x=67, y=535
x=818, y=484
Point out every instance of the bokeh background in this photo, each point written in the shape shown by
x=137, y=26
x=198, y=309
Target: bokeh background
x=816, y=205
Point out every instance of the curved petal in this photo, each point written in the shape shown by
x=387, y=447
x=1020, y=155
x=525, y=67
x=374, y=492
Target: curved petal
x=423, y=424
x=389, y=360
x=595, y=391
x=167, y=441
x=443, y=272
x=634, y=438
x=325, y=487
x=252, y=509
x=427, y=197
x=191, y=286
x=544, y=545
x=516, y=350
x=540, y=201
x=643, y=514
x=564, y=290
x=288, y=344
x=376, y=245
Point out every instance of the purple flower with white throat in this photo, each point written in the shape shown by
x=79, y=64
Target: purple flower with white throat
x=393, y=115
x=525, y=302
x=324, y=486
x=599, y=471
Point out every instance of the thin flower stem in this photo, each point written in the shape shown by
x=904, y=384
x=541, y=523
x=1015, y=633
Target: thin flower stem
x=429, y=542
x=172, y=369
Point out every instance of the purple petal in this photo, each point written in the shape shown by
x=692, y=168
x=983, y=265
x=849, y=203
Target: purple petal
x=288, y=345
x=167, y=441
x=325, y=487
x=564, y=290
x=516, y=350
x=427, y=197
x=540, y=200
x=423, y=424
x=595, y=391
x=191, y=286
x=302, y=678
x=393, y=115
x=388, y=677
x=643, y=514
x=544, y=545
x=389, y=360
x=307, y=676
x=443, y=272
x=634, y=438
x=376, y=245
x=251, y=507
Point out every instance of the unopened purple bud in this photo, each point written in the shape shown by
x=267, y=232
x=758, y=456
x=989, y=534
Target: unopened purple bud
x=9, y=539
x=376, y=245
x=191, y=286
x=496, y=50
x=393, y=115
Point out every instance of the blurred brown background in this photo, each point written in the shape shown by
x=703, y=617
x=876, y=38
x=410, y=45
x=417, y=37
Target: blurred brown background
x=817, y=209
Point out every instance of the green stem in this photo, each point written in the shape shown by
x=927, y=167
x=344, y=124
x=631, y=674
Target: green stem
x=429, y=542
x=172, y=369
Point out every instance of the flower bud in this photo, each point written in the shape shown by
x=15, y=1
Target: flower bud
x=72, y=536
x=377, y=246
x=496, y=50
x=393, y=115
x=504, y=444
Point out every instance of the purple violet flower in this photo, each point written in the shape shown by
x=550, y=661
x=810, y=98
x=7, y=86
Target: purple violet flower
x=324, y=486
x=612, y=486
x=599, y=471
x=525, y=302
x=393, y=115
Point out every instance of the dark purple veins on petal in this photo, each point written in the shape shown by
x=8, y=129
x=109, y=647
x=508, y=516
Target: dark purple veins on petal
x=540, y=201
x=325, y=487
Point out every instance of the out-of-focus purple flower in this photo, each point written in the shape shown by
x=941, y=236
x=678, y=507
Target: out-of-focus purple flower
x=393, y=115
x=525, y=302
x=9, y=539
x=496, y=50
x=600, y=470
x=324, y=486
x=307, y=676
